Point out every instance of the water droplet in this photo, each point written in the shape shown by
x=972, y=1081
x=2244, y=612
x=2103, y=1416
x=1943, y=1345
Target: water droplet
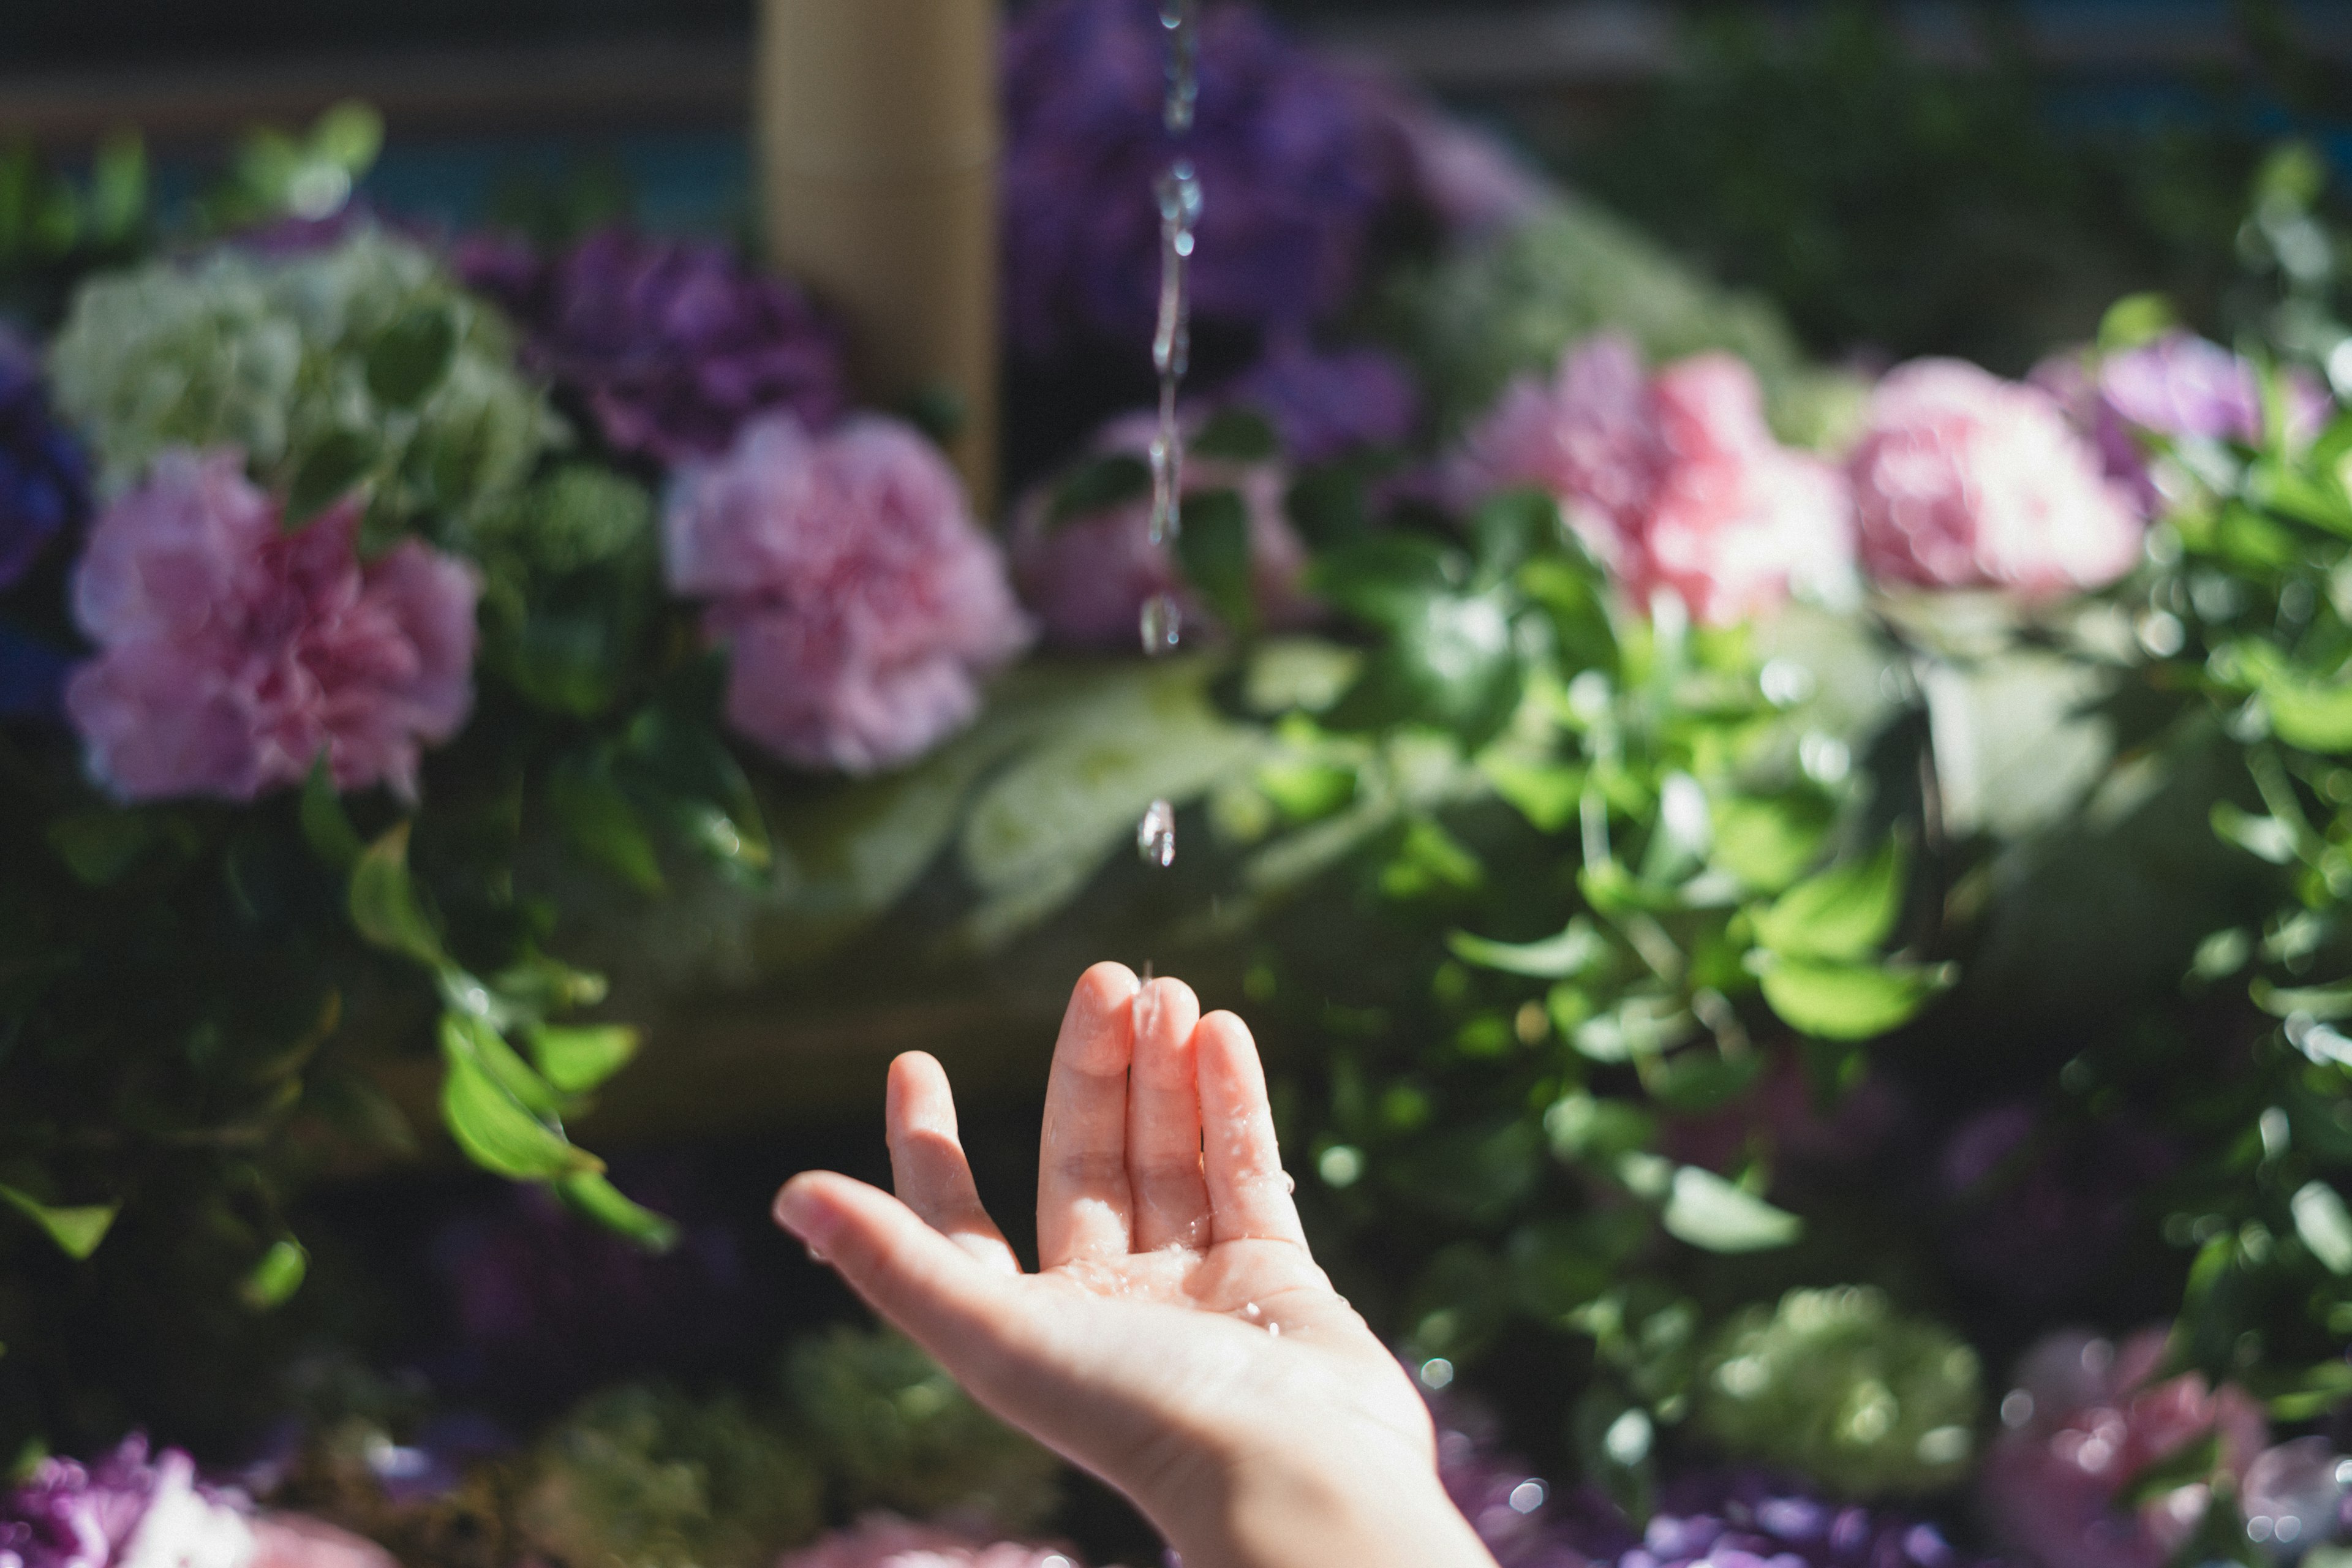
x=1289, y=1183
x=1436, y=1373
x=1161, y=624
x=1526, y=1496
x=814, y=1256
x=1155, y=835
x=1250, y=1310
x=1275, y=1329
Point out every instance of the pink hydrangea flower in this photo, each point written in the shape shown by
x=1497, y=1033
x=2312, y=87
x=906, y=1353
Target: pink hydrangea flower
x=1087, y=577
x=2083, y=1419
x=860, y=601
x=233, y=654
x=1962, y=480
x=880, y=1541
x=1673, y=481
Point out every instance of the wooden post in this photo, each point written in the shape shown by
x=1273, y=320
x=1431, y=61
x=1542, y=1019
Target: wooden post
x=879, y=141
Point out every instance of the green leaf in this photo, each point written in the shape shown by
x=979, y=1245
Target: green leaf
x=1509, y=528
x=2316, y=715
x=577, y=1058
x=1642, y=1025
x=101, y=845
x=1429, y=859
x=273, y=1281
x=600, y=1200
x=1384, y=580
x=463, y=1033
x=2135, y=320
x=495, y=1129
x=412, y=356
x=384, y=906
x=1848, y=1001
x=2320, y=1219
x=1768, y=843
x=1546, y=794
x=1454, y=664
x=326, y=826
x=327, y=473
x=1099, y=484
x=1234, y=435
x=1603, y=1132
x=597, y=819
x=1842, y=913
x=76, y=1228
x=1574, y=950
x=1712, y=1213
x=2326, y=1003
x=1214, y=550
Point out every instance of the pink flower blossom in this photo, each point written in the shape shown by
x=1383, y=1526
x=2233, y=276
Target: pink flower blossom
x=1087, y=577
x=881, y=1541
x=233, y=654
x=1962, y=480
x=2083, y=1420
x=1673, y=481
x=860, y=601
x=295, y=1541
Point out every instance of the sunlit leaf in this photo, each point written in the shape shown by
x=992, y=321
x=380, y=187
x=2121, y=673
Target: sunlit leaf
x=497, y=1133
x=76, y=1228
x=1712, y=1213
x=2320, y=1219
x=595, y=1197
x=383, y=903
x=577, y=1058
x=1842, y=913
x=464, y=1035
x=1768, y=843
x=1848, y=1001
x=273, y=1281
x=1575, y=949
x=326, y=826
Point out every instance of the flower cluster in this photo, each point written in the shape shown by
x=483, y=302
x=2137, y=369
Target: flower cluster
x=860, y=601
x=1962, y=481
x=1838, y=1386
x=1297, y=159
x=236, y=654
x=670, y=345
x=367, y=343
x=1087, y=575
x=1325, y=405
x=1672, y=481
x=882, y=1541
x=2084, y=1417
x=131, y=1510
x=43, y=485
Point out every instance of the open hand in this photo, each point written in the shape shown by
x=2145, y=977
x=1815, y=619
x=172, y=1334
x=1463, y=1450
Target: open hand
x=1177, y=1339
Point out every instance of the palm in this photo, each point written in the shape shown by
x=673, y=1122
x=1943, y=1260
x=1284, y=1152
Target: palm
x=1175, y=1286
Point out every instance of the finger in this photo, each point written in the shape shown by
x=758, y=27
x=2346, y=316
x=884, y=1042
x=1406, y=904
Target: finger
x=933, y=1290
x=1163, y=1120
x=927, y=1165
x=1248, y=1195
x=1083, y=1202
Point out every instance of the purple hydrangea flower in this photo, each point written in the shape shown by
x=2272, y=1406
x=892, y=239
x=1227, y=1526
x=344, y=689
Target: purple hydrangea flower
x=123, y=1509
x=673, y=346
x=43, y=482
x=1297, y=161
x=1325, y=405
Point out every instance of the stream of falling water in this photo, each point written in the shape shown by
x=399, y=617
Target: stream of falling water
x=1178, y=193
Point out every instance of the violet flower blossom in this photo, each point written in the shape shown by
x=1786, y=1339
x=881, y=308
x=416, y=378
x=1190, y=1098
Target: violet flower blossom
x=1964, y=480
x=2085, y=1417
x=1325, y=403
x=235, y=654
x=860, y=601
x=1297, y=161
x=43, y=480
x=1087, y=577
x=671, y=344
x=885, y=1540
x=1673, y=481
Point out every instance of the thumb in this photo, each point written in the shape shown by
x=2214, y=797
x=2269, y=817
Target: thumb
x=934, y=1292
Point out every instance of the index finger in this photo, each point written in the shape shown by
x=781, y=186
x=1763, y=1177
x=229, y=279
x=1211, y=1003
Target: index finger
x=1249, y=1196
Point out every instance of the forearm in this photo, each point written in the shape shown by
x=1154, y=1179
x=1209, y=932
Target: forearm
x=1282, y=1515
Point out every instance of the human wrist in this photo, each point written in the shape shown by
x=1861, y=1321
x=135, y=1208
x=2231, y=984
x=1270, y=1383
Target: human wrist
x=1285, y=1508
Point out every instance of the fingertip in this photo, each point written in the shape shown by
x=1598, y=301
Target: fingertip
x=1225, y=1046
x=810, y=1207
x=918, y=1094
x=1105, y=985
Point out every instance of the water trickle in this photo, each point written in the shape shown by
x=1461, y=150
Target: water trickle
x=1155, y=835
x=1162, y=625
x=1177, y=192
